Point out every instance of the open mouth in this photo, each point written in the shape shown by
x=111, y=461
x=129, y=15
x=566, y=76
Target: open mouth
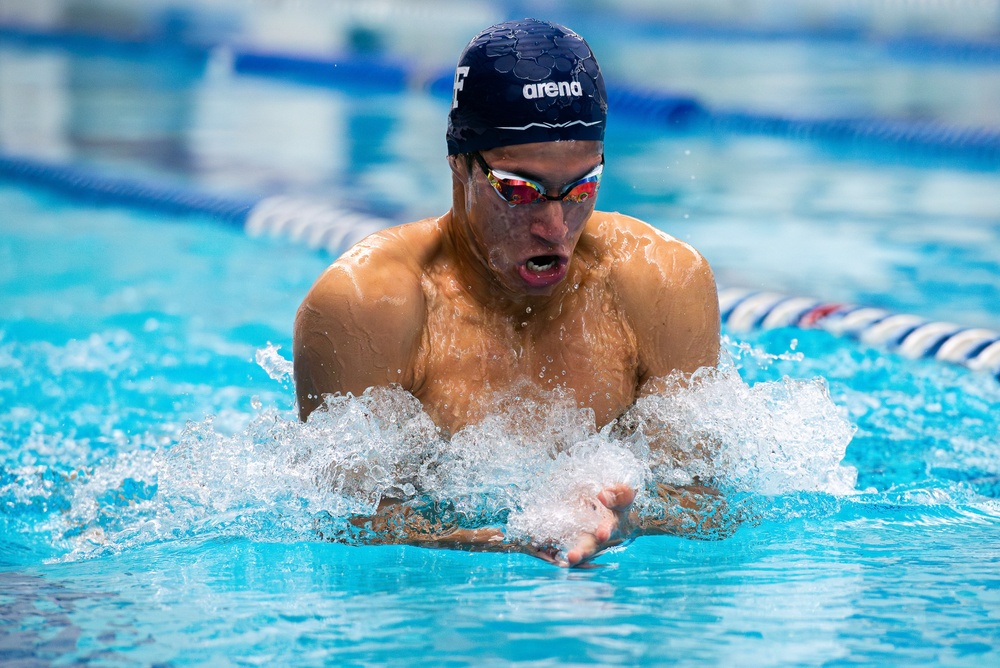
x=542, y=263
x=543, y=270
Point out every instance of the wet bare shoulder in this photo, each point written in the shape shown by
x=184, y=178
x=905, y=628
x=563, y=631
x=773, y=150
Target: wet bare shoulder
x=633, y=245
x=360, y=324
x=668, y=291
x=394, y=252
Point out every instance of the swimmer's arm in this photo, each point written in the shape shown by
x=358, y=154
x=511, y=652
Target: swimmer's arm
x=690, y=510
x=677, y=325
x=670, y=296
x=358, y=327
x=669, y=293
x=395, y=523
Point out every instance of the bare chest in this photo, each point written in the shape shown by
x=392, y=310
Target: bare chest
x=469, y=357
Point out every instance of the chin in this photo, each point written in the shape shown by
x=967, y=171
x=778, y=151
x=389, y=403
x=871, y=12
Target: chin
x=543, y=278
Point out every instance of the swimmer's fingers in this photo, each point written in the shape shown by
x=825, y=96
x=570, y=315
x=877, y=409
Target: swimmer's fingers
x=621, y=525
x=612, y=528
x=608, y=533
x=547, y=553
x=586, y=548
x=617, y=497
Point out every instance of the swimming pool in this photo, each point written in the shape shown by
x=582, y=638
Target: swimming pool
x=160, y=500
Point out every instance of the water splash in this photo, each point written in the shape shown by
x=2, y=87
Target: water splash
x=271, y=361
x=530, y=467
x=769, y=438
x=736, y=351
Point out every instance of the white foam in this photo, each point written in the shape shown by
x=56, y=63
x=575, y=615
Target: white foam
x=533, y=466
x=271, y=361
x=770, y=438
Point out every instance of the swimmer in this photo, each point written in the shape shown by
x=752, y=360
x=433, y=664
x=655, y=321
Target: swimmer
x=522, y=283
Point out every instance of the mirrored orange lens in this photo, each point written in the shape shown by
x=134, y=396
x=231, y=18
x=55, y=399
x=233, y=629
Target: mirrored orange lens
x=520, y=193
x=582, y=192
x=515, y=191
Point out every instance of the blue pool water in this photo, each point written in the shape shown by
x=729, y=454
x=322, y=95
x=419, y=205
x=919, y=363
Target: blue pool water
x=160, y=503
x=138, y=529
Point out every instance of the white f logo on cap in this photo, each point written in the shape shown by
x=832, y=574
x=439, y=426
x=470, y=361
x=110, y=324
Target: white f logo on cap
x=460, y=74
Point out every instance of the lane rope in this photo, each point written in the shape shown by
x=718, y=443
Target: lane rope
x=95, y=186
x=912, y=336
x=980, y=145
x=323, y=225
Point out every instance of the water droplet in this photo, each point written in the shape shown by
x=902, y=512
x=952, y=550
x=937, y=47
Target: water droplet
x=255, y=402
x=527, y=310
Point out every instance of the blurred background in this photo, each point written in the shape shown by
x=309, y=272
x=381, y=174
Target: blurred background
x=848, y=150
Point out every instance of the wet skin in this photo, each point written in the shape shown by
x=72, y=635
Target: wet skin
x=490, y=297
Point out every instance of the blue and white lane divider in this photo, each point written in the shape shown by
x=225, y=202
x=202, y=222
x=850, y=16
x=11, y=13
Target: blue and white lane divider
x=92, y=185
x=322, y=225
x=319, y=224
x=662, y=109
x=909, y=335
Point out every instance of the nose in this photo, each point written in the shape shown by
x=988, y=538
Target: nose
x=549, y=222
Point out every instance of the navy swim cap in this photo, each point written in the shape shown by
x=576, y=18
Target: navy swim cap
x=526, y=81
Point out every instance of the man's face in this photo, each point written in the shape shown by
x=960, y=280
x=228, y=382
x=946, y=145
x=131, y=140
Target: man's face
x=529, y=246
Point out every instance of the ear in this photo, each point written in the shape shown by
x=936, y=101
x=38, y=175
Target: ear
x=461, y=165
x=459, y=182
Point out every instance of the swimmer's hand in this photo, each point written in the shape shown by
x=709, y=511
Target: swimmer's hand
x=609, y=514
x=700, y=512
x=396, y=523
x=613, y=525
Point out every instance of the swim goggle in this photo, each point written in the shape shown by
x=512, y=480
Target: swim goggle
x=515, y=189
